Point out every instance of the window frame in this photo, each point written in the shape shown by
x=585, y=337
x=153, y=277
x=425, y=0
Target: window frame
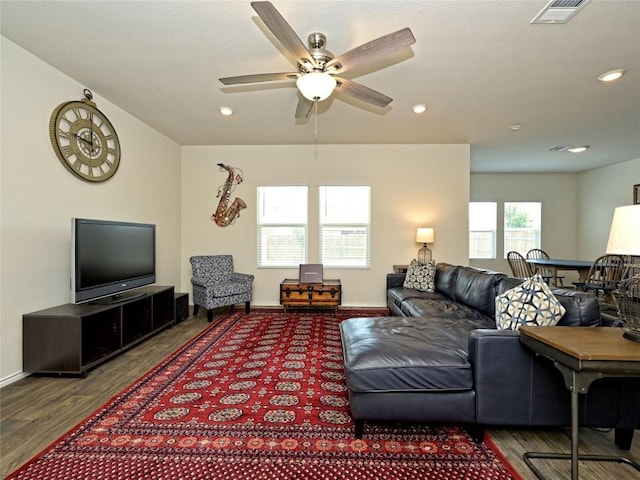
x=508, y=245
x=330, y=221
x=266, y=222
x=494, y=233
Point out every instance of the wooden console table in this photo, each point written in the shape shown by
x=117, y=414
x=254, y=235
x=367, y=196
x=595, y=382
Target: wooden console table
x=296, y=294
x=582, y=355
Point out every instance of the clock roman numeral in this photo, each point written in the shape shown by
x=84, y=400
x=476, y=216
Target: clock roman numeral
x=67, y=151
x=63, y=134
x=78, y=112
x=77, y=165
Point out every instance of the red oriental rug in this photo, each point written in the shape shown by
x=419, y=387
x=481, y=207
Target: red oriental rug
x=256, y=396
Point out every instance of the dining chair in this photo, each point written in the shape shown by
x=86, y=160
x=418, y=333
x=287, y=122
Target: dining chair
x=603, y=278
x=520, y=268
x=545, y=272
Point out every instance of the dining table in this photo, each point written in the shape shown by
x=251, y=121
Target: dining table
x=556, y=265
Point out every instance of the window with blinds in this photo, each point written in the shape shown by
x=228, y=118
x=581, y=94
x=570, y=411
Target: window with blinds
x=282, y=226
x=345, y=213
x=522, y=226
x=482, y=229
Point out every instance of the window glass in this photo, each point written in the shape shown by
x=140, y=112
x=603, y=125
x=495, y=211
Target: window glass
x=482, y=229
x=522, y=226
x=282, y=226
x=345, y=213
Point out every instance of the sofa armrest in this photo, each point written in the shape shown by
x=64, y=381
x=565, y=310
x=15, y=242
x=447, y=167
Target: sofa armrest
x=395, y=280
x=514, y=386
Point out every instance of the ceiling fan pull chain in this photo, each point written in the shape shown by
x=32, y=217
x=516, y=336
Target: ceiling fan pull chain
x=316, y=127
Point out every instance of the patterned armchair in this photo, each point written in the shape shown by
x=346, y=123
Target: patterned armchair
x=215, y=284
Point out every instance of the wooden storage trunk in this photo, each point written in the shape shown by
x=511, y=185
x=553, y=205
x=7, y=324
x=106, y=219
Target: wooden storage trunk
x=296, y=294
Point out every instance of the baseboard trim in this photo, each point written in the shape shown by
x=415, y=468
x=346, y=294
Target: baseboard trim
x=12, y=378
x=343, y=305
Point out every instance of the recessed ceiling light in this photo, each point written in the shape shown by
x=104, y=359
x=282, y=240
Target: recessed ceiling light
x=579, y=149
x=418, y=109
x=611, y=75
x=226, y=111
x=515, y=126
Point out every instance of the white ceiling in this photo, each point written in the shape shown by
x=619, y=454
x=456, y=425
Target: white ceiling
x=479, y=65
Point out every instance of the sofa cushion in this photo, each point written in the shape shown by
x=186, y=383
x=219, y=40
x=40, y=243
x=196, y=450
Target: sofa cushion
x=530, y=303
x=395, y=354
x=507, y=283
x=582, y=308
x=477, y=289
x=437, y=305
x=446, y=275
x=421, y=276
x=398, y=295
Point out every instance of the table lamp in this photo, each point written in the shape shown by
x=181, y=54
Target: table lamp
x=624, y=239
x=424, y=235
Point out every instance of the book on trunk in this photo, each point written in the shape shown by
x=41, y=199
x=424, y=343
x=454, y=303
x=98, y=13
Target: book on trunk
x=310, y=273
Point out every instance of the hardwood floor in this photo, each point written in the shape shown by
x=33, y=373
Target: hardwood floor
x=35, y=411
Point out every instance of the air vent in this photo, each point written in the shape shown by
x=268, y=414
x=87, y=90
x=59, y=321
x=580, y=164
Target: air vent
x=559, y=11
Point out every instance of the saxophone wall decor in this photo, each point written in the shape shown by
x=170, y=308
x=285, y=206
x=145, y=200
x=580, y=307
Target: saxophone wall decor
x=226, y=214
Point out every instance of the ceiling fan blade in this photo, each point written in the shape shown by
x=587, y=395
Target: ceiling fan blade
x=373, y=50
x=282, y=31
x=304, y=107
x=363, y=93
x=260, y=77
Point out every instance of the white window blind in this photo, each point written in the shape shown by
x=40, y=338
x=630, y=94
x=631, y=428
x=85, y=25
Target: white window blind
x=482, y=229
x=345, y=230
x=282, y=226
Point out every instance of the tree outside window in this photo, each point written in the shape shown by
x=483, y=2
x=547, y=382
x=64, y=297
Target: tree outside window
x=522, y=226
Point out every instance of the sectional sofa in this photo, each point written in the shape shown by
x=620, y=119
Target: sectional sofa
x=439, y=358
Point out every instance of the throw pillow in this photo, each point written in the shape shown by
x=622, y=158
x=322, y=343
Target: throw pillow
x=421, y=276
x=530, y=303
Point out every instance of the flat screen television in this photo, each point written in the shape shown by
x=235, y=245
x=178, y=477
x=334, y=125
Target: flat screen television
x=110, y=258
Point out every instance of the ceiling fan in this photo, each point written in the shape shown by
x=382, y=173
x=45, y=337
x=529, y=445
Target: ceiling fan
x=316, y=77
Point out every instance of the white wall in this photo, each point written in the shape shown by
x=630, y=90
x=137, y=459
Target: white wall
x=600, y=192
x=39, y=196
x=558, y=193
x=412, y=186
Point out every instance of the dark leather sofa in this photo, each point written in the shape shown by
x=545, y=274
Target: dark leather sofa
x=439, y=358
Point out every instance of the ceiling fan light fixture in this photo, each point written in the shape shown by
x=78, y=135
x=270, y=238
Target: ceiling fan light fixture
x=580, y=149
x=316, y=85
x=420, y=108
x=611, y=75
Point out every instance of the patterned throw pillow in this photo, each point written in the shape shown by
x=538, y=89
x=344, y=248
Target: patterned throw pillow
x=530, y=303
x=421, y=276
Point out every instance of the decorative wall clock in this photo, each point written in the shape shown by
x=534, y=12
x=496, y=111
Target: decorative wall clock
x=84, y=140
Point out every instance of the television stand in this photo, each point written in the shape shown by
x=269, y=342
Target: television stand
x=121, y=297
x=73, y=338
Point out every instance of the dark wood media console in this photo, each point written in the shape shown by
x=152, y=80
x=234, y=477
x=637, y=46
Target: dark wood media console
x=71, y=339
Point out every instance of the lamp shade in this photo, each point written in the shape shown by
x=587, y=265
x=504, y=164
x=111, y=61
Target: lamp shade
x=624, y=237
x=424, y=235
x=316, y=85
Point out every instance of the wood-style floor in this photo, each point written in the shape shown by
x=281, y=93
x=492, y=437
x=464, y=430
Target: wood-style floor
x=35, y=411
